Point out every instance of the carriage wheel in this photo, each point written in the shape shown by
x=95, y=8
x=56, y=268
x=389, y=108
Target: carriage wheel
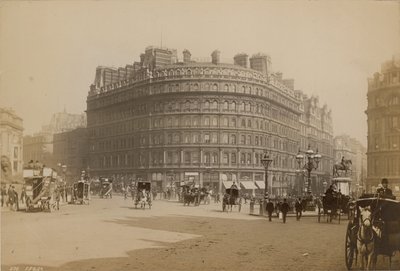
x=350, y=247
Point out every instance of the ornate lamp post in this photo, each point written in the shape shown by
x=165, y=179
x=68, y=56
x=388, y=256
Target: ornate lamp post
x=266, y=161
x=312, y=161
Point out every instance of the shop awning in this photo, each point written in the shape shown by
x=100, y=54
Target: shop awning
x=260, y=184
x=228, y=184
x=248, y=185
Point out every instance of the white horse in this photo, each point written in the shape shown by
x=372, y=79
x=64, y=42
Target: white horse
x=366, y=239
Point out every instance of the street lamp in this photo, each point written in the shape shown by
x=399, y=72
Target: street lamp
x=266, y=161
x=312, y=161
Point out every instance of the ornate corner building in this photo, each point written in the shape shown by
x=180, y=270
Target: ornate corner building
x=168, y=121
x=383, y=115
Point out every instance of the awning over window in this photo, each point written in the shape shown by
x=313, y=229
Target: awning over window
x=260, y=184
x=228, y=184
x=248, y=185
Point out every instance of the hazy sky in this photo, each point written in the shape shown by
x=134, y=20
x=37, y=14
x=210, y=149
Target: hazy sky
x=49, y=50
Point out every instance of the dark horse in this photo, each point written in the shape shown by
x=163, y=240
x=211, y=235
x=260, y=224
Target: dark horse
x=344, y=166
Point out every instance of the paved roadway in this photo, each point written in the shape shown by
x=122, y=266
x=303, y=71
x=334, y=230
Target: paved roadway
x=109, y=234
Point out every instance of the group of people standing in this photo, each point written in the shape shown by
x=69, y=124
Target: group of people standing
x=283, y=207
x=10, y=197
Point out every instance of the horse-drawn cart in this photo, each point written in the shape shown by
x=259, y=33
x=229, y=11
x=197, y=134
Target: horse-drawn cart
x=231, y=198
x=143, y=194
x=374, y=229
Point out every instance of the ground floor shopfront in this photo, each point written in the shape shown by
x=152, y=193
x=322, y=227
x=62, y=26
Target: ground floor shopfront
x=251, y=181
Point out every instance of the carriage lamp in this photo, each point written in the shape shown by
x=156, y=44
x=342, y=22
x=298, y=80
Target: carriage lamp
x=311, y=163
x=266, y=161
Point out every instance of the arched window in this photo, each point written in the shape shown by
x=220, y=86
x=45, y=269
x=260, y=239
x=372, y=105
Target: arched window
x=207, y=121
x=215, y=87
x=224, y=139
x=243, y=123
x=207, y=105
x=226, y=105
x=232, y=139
x=232, y=106
x=226, y=87
x=225, y=158
x=215, y=105
x=249, y=123
x=241, y=106
x=225, y=122
x=214, y=121
x=196, y=87
x=187, y=138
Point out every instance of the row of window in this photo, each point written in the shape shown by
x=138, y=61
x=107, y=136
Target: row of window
x=195, y=122
x=125, y=112
x=197, y=138
x=390, y=142
x=156, y=158
x=384, y=166
x=192, y=86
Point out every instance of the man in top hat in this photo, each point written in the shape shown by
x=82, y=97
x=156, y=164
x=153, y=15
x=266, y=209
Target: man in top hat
x=384, y=191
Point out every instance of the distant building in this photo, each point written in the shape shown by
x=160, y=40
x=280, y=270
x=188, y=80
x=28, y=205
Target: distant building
x=383, y=115
x=39, y=146
x=350, y=148
x=71, y=149
x=316, y=131
x=11, y=144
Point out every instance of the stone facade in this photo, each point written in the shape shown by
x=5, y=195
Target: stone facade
x=316, y=131
x=383, y=115
x=11, y=144
x=207, y=122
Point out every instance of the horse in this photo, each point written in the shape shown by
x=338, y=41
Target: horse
x=345, y=165
x=366, y=240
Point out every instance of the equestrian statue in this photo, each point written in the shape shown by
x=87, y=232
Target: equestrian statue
x=344, y=165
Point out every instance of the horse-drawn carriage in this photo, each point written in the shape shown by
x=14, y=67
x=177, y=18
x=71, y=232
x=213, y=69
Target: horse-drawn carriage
x=80, y=192
x=40, y=187
x=329, y=206
x=143, y=194
x=231, y=198
x=374, y=229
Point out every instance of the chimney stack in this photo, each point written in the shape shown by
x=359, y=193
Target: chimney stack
x=241, y=60
x=186, y=56
x=215, y=57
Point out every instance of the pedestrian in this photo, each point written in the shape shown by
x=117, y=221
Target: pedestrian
x=278, y=208
x=270, y=209
x=23, y=194
x=284, y=209
x=11, y=197
x=3, y=195
x=299, y=208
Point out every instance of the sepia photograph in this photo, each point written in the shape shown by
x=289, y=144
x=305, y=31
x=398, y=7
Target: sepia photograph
x=199, y=135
